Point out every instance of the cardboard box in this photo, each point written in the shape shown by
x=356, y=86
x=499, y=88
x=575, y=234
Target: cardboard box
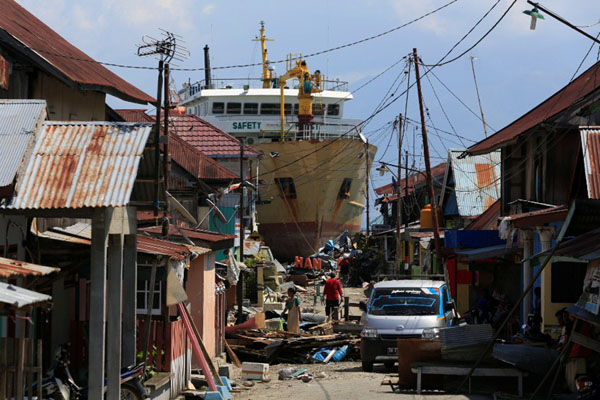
x=254, y=371
x=273, y=306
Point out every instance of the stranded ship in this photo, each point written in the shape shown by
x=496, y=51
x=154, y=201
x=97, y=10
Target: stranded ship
x=313, y=172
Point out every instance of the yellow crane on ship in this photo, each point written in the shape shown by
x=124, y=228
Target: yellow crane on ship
x=309, y=84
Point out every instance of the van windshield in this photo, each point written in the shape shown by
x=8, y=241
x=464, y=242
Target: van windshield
x=405, y=301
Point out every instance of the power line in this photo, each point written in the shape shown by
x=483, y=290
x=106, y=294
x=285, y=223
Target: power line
x=317, y=53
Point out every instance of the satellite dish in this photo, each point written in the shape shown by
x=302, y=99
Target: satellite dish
x=216, y=210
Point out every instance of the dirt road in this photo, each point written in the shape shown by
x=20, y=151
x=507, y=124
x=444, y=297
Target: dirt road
x=341, y=381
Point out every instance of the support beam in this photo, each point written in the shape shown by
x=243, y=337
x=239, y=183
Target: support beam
x=527, y=239
x=129, y=300
x=115, y=290
x=97, y=333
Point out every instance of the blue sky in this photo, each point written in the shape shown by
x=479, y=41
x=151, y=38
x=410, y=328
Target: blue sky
x=516, y=68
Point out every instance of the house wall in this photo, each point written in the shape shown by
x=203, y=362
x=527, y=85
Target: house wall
x=201, y=295
x=67, y=104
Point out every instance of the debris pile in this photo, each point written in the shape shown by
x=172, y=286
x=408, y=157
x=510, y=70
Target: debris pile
x=285, y=347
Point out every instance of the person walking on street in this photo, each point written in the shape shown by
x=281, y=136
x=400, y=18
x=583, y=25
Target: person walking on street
x=333, y=292
x=294, y=315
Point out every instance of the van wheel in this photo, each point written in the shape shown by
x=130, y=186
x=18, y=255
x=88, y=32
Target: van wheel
x=389, y=364
x=367, y=366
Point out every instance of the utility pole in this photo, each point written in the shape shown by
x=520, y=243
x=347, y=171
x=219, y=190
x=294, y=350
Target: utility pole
x=399, y=201
x=367, y=187
x=156, y=207
x=167, y=107
x=436, y=233
x=406, y=246
x=240, y=283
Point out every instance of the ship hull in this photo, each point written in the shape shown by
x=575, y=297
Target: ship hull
x=310, y=192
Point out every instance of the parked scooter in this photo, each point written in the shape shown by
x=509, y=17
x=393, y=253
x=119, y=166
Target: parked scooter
x=60, y=384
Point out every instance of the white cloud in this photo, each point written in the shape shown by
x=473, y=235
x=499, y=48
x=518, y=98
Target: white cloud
x=84, y=20
x=208, y=9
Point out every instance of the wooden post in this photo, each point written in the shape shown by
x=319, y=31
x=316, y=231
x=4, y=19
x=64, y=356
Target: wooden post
x=39, y=363
x=240, y=283
x=346, y=308
x=20, y=368
x=3, y=367
x=97, y=333
x=148, y=320
x=436, y=233
x=367, y=188
x=399, y=201
x=115, y=290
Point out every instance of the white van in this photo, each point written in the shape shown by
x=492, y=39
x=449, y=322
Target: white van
x=402, y=309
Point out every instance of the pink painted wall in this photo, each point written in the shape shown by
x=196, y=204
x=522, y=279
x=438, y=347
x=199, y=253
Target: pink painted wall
x=201, y=295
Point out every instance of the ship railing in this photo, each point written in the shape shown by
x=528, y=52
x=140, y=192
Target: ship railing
x=190, y=90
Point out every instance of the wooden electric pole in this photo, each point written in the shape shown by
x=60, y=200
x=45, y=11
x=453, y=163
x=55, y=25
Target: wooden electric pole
x=436, y=233
x=367, y=187
x=240, y=283
x=399, y=200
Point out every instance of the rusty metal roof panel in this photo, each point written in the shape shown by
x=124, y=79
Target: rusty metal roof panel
x=590, y=143
x=82, y=164
x=15, y=268
x=19, y=122
x=477, y=181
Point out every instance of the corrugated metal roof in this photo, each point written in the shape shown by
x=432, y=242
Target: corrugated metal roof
x=206, y=137
x=18, y=297
x=10, y=268
x=135, y=115
x=196, y=162
x=590, y=143
x=20, y=120
x=33, y=36
x=191, y=233
x=81, y=232
x=582, y=86
x=82, y=164
x=476, y=181
x=414, y=180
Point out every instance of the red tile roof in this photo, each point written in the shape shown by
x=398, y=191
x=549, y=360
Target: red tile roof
x=414, y=180
x=31, y=37
x=582, y=86
x=10, y=268
x=539, y=217
x=135, y=115
x=206, y=137
x=150, y=245
x=191, y=233
x=488, y=220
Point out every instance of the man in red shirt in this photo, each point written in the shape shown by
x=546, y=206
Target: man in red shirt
x=333, y=292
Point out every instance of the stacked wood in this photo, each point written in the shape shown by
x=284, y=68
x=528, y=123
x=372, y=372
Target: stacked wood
x=280, y=346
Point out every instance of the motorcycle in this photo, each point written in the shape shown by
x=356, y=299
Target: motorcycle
x=59, y=384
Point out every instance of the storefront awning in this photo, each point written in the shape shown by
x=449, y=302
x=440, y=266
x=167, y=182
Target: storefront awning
x=488, y=252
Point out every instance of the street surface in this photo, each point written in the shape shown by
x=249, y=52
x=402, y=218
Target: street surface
x=342, y=381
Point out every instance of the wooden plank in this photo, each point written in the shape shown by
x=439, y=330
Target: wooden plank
x=20, y=366
x=39, y=368
x=236, y=361
x=29, y=364
x=211, y=366
x=3, y=368
x=462, y=371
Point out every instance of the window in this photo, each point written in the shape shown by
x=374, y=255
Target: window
x=567, y=281
x=318, y=109
x=270, y=108
x=234, y=108
x=143, y=292
x=333, y=109
x=287, y=109
x=344, y=192
x=296, y=108
x=251, y=108
x=218, y=108
x=287, y=187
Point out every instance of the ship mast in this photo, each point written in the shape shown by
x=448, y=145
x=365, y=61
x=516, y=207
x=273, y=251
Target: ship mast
x=265, y=61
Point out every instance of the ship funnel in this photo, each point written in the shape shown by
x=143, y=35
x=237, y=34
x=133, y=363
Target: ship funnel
x=207, y=80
